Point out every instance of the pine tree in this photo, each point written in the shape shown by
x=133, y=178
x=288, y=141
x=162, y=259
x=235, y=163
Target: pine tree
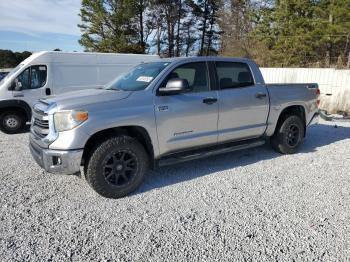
x=236, y=23
x=9, y=59
x=333, y=29
x=207, y=13
x=303, y=32
x=110, y=26
x=166, y=17
x=189, y=36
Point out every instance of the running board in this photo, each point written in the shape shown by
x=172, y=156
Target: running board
x=184, y=157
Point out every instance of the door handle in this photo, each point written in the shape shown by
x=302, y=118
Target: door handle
x=260, y=95
x=210, y=100
x=48, y=91
x=18, y=94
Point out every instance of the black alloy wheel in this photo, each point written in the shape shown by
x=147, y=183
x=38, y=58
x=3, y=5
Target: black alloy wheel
x=289, y=134
x=116, y=166
x=293, y=135
x=120, y=167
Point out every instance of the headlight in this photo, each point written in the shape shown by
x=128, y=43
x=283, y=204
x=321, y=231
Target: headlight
x=67, y=120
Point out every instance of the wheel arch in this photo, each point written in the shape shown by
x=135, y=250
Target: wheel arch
x=297, y=110
x=16, y=105
x=138, y=132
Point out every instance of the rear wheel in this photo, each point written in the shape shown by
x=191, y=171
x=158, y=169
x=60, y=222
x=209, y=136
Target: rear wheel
x=12, y=122
x=117, y=167
x=289, y=134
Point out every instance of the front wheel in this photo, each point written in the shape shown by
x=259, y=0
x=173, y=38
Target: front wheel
x=117, y=167
x=289, y=135
x=12, y=122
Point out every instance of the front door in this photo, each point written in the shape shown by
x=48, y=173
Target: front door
x=33, y=81
x=190, y=119
x=244, y=105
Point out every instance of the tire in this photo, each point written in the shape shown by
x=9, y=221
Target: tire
x=12, y=122
x=289, y=135
x=115, y=161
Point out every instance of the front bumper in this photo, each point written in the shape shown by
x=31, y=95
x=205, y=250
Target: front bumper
x=57, y=161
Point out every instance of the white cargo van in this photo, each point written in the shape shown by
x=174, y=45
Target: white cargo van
x=51, y=73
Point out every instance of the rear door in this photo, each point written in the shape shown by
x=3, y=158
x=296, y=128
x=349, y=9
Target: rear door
x=243, y=105
x=190, y=119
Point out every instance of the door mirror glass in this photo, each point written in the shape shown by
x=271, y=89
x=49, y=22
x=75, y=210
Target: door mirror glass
x=18, y=85
x=21, y=82
x=175, y=86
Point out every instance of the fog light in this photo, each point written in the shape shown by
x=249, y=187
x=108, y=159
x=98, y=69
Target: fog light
x=56, y=160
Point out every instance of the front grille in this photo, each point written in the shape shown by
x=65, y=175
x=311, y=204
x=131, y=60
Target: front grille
x=40, y=124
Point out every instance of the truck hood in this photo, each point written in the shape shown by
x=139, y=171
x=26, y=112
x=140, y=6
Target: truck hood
x=82, y=98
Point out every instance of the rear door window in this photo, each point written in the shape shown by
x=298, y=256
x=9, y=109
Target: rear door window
x=233, y=75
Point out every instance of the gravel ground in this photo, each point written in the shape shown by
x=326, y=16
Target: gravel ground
x=248, y=205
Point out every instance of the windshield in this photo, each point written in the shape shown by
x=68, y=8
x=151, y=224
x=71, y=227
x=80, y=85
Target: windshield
x=138, y=78
x=12, y=72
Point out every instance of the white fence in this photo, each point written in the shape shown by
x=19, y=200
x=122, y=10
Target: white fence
x=334, y=84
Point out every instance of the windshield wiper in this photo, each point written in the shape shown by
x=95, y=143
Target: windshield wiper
x=114, y=89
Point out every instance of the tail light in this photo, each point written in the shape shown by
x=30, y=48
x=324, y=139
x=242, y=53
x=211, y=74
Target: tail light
x=318, y=94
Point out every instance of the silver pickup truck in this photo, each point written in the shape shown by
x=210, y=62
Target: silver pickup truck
x=166, y=112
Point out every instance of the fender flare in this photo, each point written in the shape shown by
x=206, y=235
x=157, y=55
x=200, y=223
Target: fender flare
x=14, y=103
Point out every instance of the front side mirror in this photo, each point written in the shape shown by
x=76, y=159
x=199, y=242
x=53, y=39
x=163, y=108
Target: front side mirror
x=16, y=85
x=175, y=86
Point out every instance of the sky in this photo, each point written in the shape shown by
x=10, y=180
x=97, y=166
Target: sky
x=37, y=25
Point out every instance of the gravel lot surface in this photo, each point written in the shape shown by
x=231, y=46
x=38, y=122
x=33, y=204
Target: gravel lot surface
x=248, y=205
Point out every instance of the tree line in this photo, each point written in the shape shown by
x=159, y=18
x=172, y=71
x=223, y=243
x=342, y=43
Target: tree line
x=282, y=33
x=166, y=27
x=9, y=59
x=273, y=32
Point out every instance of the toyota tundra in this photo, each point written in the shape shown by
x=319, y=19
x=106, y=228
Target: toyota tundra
x=166, y=112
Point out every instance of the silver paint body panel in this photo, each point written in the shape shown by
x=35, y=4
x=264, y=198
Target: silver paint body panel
x=179, y=122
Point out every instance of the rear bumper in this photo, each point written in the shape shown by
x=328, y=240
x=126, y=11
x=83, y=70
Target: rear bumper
x=57, y=161
x=314, y=120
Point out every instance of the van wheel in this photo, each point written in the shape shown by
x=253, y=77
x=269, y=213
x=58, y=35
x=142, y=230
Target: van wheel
x=117, y=167
x=12, y=122
x=289, y=135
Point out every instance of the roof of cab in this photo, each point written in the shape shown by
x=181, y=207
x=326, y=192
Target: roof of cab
x=206, y=58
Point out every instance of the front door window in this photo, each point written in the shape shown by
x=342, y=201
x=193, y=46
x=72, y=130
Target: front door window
x=33, y=77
